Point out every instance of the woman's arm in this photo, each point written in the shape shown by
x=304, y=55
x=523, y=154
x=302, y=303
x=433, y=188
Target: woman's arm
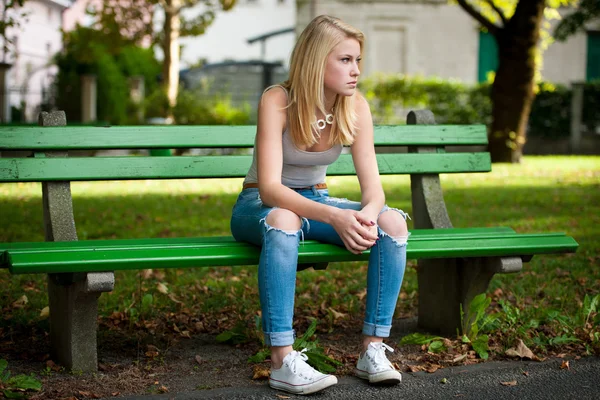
x=365, y=162
x=272, y=116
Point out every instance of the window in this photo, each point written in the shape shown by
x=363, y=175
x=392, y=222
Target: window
x=488, y=55
x=593, y=56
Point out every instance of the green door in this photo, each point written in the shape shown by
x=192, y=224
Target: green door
x=593, y=56
x=488, y=55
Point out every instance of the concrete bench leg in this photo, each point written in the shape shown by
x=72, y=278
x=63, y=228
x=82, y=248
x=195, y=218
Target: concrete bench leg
x=74, y=317
x=446, y=284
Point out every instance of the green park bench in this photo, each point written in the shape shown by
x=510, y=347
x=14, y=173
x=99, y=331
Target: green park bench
x=454, y=264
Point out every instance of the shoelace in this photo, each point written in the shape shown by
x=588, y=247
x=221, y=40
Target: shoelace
x=300, y=355
x=380, y=349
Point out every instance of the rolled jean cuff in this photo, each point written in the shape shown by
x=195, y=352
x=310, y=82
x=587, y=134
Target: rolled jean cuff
x=376, y=330
x=279, y=338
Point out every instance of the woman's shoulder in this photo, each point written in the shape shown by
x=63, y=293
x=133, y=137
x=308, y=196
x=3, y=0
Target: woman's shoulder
x=361, y=105
x=275, y=95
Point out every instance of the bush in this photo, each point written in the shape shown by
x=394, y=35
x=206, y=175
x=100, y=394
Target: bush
x=197, y=107
x=86, y=52
x=457, y=103
x=451, y=102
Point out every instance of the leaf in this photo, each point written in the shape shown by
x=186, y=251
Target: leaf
x=459, y=358
x=521, y=351
x=564, y=365
x=337, y=314
x=3, y=365
x=13, y=395
x=418, y=338
x=436, y=347
x=480, y=345
x=510, y=383
x=260, y=356
x=161, y=287
x=260, y=372
x=198, y=359
x=21, y=302
x=45, y=313
x=25, y=382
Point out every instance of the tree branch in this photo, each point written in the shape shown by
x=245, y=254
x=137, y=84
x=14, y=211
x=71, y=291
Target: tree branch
x=498, y=11
x=493, y=29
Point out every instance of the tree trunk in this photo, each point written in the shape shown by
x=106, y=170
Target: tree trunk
x=512, y=91
x=171, y=50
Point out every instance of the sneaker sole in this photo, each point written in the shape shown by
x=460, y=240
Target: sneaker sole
x=304, y=389
x=387, y=378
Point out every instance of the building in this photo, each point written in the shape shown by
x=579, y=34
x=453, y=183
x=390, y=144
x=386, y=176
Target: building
x=31, y=73
x=433, y=38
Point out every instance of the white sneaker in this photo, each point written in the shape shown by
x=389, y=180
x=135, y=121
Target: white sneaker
x=296, y=376
x=374, y=365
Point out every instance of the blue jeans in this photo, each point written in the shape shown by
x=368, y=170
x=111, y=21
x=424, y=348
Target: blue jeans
x=279, y=259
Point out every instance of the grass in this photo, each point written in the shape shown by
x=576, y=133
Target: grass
x=542, y=194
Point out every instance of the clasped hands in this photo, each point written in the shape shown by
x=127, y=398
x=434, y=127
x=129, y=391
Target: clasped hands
x=356, y=229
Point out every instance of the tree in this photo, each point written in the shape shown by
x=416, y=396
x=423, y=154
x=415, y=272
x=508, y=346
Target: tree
x=587, y=10
x=516, y=27
x=11, y=17
x=121, y=18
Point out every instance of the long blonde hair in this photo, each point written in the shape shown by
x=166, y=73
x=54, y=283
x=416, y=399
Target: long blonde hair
x=305, y=85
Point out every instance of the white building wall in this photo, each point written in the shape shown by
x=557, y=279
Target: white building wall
x=38, y=39
x=565, y=62
x=434, y=38
x=226, y=38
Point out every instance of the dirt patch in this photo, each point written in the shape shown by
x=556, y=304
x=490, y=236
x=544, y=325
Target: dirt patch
x=128, y=366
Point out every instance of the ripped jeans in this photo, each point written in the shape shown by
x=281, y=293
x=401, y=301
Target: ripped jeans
x=279, y=258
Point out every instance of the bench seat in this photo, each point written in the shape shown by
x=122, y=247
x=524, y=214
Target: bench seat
x=128, y=254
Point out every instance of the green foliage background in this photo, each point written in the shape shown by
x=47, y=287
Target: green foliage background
x=453, y=102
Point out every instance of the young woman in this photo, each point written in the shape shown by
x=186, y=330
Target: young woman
x=302, y=126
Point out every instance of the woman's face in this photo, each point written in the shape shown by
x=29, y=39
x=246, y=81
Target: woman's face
x=341, y=69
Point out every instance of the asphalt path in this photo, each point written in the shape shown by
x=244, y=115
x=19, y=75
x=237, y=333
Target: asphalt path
x=486, y=381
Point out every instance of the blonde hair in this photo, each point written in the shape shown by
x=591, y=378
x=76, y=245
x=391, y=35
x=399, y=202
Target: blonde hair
x=305, y=85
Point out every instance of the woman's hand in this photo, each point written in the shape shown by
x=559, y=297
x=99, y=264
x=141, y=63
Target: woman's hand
x=357, y=231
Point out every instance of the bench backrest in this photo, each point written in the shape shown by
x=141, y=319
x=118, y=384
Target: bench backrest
x=426, y=146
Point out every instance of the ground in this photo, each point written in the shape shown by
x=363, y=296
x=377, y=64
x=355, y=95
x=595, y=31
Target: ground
x=183, y=365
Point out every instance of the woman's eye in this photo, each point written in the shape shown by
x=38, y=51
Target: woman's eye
x=345, y=59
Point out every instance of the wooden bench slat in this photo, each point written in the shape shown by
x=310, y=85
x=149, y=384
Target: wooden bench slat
x=310, y=252
x=149, y=137
x=189, y=167
x=211, y=240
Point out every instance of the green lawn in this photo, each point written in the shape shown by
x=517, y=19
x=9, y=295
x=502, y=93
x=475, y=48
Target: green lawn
x=542, y=194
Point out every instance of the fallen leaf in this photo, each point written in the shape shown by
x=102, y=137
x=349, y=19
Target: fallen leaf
x=525, y=373
x=431, y=368
x=175, y=299
x=282, y=396
x=45, y=313
x=564, y=365
x=260, y=372
x=459, y=358
x=146, y=273
x=337, y=314
x=511, y=383
x=198, y=359
x=521, y=351
x=444, y=380
x=21, y=302
x=161, y=287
